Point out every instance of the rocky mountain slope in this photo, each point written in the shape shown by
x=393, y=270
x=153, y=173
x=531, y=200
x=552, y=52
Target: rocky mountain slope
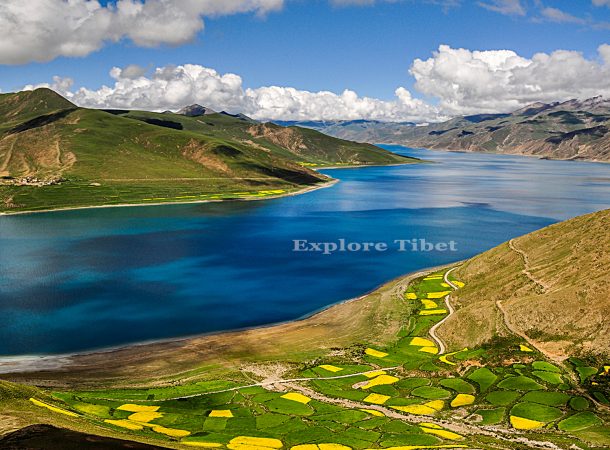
x=578, y=130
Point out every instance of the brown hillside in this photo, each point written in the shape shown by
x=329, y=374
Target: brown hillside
x=553, y=285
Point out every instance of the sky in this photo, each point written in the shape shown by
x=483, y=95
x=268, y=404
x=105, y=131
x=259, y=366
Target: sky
x=415, y=60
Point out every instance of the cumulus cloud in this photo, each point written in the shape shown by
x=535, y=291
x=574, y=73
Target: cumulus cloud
x=601, y=3
x=508, y=7
x=467, y=81
x=461, y=81
x=41, y=30
x=133, y=71
x=173, y=87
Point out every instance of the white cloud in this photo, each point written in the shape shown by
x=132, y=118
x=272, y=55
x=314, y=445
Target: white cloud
x=462, y=81
x=133, y=71
x=41, y=30
x=173, y=87
x=601, y=3
x=508, y=7
x=559, y=16
x=468, y=82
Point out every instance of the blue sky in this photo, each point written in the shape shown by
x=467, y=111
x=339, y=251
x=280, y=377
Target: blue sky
x=313, y=45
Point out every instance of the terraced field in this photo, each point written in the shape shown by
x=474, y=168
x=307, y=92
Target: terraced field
x=407, y=395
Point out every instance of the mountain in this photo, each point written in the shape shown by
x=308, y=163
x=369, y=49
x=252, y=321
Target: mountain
x=195, y=111
x=550, y=285
x=55, y=155
x=573, y=130
x=356, y=130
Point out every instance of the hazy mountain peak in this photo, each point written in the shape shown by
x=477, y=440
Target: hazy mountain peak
x=195, y=110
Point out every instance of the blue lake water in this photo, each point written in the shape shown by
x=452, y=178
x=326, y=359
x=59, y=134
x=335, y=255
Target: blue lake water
x=87, y=279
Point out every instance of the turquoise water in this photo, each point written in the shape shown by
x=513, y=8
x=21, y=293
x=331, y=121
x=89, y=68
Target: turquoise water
x=78, y=280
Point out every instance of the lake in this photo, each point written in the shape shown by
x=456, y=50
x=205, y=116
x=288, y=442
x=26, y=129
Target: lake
x=78, y=280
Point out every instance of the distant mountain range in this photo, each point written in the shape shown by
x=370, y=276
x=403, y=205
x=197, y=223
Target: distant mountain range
x=574, y=130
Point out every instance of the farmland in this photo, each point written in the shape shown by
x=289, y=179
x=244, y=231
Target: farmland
x=404, y=394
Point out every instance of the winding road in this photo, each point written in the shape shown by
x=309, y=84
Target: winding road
x=526, y=267
x=441, y=345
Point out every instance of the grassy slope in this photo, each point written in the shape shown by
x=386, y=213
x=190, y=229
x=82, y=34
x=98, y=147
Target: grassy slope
x=295, y=143
x=572, y=259
x=44, y=135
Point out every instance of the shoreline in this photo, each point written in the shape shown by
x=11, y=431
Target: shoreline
x=304, y=190
x=33, y=364
x=331, y=182
x=538, y=157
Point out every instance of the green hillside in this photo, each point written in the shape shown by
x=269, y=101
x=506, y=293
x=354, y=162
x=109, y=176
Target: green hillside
x=55, y=155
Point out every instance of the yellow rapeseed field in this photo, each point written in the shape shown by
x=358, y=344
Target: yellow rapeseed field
x=436, y=404
x=138, y=408
x=521, y=423
x=446, y=361
x=426, y=409
x=462, y=400
x=431, y=425
x=445, y=434
x=410, y=296
x=253, y=443
x=375, y=353
x=380, y=380
x=429, y=304
x=436, y=295
x=431, y=350
x=145, y=416
x=420, y=410
x=296, y=397
x=172, y=432
x=373, y=412
x=421, y=342
x=125, y=424
x=377, y=399
x=374, y=373
x=53, y=408
x=221, y=413
x=432, y=312
x=201, y=444
x=331, y=368
x=320, y=447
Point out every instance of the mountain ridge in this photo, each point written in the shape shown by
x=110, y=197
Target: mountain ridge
x=570, y=130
